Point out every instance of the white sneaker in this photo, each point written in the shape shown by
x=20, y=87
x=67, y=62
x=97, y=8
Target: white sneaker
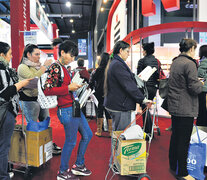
x=11, y=175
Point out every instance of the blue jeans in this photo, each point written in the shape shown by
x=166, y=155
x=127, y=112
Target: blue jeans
x=72, y=126
x=33, y=111
x=5, y=140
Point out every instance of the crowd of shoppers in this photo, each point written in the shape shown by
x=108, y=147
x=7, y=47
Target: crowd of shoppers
x=116, y=91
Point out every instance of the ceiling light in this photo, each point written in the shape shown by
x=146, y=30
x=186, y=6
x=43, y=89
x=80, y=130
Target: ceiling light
x=68, y=4
x=102, y=9
x=73, y=31
x=105, y=1
x=71, y=20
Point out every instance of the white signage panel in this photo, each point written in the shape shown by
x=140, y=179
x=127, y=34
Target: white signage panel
x=119, y=23
x=5, y=29
x=30, y=37
x=39, y=17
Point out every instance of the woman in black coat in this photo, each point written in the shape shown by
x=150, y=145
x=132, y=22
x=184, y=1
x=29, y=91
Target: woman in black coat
x=97, y=82
x=9, y=87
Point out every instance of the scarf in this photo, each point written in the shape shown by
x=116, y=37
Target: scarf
x=12, y=71
x=31, y=64
x=4, y=61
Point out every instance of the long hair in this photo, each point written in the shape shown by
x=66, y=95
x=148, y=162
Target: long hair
x=119, y=45
x=104, y=60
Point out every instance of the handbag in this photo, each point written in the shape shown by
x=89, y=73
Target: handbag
x=46, y=102
x=163, y=88
x=196, y=159
x=76, y=110
x=3, y=111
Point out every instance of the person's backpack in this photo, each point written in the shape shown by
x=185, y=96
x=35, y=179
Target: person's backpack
x=47, y=102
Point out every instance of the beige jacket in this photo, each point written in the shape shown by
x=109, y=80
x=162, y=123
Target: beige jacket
x=25, y=72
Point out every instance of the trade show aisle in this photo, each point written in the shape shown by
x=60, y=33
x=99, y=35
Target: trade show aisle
x=98, y=152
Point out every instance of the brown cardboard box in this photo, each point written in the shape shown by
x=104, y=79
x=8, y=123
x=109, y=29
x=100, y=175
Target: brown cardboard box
x=39, y=147
x=130, y=156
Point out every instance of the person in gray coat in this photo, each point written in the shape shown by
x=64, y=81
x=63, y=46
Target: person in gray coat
x=184, y=87
x=202, y=73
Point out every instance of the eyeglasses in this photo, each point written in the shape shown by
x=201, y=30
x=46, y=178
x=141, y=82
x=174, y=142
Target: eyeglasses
x=127, y=50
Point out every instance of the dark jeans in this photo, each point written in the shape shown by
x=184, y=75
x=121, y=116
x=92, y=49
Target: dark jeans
x=5, y=140
x=202, y=115
x=179, y=144
x=151, y=94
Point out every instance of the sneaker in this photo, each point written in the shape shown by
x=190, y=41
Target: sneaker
x=11, y=175
x=115, y=169
x=56, y=150
x=80, y=170
x=66, y=175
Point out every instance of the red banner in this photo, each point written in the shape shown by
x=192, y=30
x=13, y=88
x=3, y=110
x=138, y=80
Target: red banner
x=149, y=8
x=20, y=21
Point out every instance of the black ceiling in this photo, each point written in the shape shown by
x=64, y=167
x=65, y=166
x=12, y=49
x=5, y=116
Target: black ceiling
x=60, y=14
x=80, y=11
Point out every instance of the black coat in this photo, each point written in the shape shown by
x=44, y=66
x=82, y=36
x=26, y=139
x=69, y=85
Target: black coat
x=184, y=87
x=122, y=94
x=152, y=62
x=97, y=83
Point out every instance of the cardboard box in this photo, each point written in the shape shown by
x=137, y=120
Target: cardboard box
x=39, y=147
x=130, y=155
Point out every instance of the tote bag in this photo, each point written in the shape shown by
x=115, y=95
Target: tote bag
x=196, y=159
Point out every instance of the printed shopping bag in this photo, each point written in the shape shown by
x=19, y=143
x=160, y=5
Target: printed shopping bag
x=196, y=159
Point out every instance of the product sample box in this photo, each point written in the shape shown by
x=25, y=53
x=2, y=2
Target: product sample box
x=130, y=155
x=39, y=147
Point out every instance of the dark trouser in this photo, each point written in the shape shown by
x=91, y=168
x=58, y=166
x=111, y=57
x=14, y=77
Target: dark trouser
x=151, y=94
x=5, y=140
x=120, y=120
x=179, y=143
x=101, y=109
x=202, y=115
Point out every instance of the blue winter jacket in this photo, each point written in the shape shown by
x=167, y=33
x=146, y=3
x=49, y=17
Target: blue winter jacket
x=122, y=94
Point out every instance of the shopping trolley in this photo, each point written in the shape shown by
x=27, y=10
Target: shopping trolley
x=144, y=155
x=21, y=129
x=154, y=110
x=141, y=176
x=29, y=149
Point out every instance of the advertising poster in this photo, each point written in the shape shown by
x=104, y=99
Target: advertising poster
x=82, y=47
